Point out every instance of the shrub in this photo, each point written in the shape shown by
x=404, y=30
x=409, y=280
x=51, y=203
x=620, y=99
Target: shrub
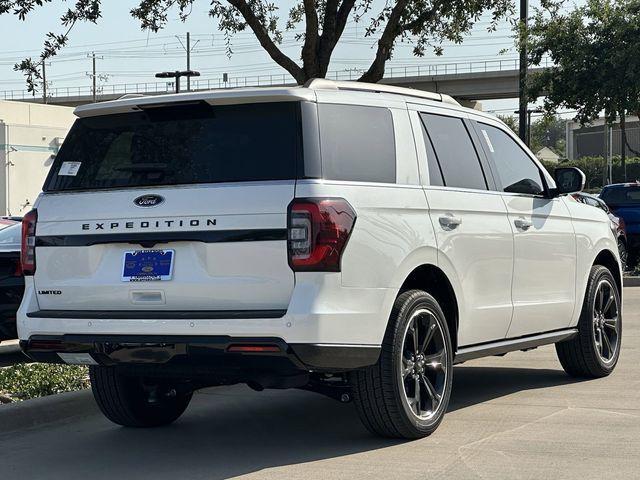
x=30, y=380
x=595, y=168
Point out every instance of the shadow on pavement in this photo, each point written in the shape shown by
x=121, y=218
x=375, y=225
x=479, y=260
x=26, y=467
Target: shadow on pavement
x=234, y=431
x=473, y=385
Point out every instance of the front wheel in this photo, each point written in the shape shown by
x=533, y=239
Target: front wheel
x=594, y=352
x=130, y=402
x=405, y=395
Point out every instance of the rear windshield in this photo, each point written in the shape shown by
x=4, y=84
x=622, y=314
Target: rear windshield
x=621, y=196
x=182, y=144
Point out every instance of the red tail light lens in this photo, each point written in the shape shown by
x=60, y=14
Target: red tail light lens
x=319, y=229
x=28, y=254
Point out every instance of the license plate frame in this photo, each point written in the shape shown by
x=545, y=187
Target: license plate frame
x=147, y=265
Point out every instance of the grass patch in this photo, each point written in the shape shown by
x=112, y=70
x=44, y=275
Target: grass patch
x=31, y=380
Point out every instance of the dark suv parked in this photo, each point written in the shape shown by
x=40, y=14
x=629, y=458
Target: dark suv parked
x=624, y=201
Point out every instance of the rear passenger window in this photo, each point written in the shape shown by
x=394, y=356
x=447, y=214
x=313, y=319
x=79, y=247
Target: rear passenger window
x=517, y=172
x=357, y=143
x=455, y=152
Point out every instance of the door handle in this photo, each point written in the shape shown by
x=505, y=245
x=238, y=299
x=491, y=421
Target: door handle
x=449, y=222
x=522, y=224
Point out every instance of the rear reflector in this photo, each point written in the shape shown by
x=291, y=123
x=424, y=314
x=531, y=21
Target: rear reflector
x=253, y=349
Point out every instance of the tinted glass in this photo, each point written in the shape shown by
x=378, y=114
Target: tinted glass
x=435, y=175
x=454, y=149
x=194, y=143
x=621, y=195
x=517, y=172
x=11, y=235
x=357, y=143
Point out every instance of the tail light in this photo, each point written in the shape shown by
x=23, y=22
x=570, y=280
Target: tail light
x=28, y=253
x=319, y=229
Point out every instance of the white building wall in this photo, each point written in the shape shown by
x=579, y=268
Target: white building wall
x=30, y=135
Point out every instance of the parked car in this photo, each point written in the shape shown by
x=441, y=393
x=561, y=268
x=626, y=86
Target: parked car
x=624, y=201
x=617, y=223
x=11, y=279
x=351, y=239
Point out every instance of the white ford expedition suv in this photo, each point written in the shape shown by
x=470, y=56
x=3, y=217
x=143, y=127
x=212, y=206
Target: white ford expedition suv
x=350, y=239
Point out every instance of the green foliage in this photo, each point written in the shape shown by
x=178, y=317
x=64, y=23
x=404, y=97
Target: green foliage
x=30, y=380
x=510, y=121
x=549, y=131
x=595, y=168
x=426, y=24
x=595, y=50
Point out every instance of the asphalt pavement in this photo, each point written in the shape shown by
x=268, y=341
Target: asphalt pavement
x=514, y=417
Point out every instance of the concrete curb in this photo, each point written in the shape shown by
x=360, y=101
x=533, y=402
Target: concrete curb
x=44, y=410
x=631, y=281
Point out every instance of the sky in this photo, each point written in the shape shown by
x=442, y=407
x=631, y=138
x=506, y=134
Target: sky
x=126, y=54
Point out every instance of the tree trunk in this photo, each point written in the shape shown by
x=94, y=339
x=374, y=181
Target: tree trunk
x=623, y=150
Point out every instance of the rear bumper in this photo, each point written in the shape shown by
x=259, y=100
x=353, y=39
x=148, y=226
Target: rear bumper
x=237, y=359
x=321, y=311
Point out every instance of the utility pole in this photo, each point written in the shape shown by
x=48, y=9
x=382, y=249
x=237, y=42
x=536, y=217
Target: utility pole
x=44, y=81
x=93, y=76
x=522, y=104
x=527, y=123
x=188, y=49
x=188, y=61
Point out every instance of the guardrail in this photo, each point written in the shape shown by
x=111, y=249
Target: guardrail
x=434, y=69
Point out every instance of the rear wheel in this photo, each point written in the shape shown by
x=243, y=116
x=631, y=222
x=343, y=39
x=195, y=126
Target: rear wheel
x=594, y=352
x=405, y=395
x=130, y=402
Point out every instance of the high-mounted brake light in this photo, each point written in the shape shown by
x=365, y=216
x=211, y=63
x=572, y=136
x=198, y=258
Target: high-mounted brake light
x=319, y=229
x=28, y=252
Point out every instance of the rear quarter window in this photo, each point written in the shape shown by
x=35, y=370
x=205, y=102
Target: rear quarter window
x=357, y=143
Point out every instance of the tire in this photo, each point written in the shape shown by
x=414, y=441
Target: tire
x=384, y=394
x=128, y=402
x=624, y=255
x=594, y=352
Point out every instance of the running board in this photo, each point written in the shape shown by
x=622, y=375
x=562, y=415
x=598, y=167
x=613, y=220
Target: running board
x=512, y=344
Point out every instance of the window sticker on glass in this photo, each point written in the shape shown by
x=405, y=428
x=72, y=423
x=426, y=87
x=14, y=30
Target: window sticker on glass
x=486, y=137
x=69, y=169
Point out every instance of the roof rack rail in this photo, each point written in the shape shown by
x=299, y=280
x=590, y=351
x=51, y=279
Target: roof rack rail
x=325, y=84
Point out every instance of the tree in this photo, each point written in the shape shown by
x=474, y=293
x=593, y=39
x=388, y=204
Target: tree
x=595, y=51
x=510, y=121
x=548, y=131
x=424, y=23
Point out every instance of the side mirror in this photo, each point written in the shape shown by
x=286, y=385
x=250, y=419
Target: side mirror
x=569, y=180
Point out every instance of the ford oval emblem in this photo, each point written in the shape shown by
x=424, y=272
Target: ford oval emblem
x=148, y=200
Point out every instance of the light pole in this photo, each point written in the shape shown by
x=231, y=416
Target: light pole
x=522, y=103
x=177, y=75
x=527, y=123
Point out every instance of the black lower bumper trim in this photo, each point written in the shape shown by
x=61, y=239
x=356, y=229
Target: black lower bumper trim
x=188, y=354
x=336, y=356
x=157, y=314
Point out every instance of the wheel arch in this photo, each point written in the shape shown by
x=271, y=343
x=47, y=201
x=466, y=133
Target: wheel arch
x=607, y=259
x=433, y=280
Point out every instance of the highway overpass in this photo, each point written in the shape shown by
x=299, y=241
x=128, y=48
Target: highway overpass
x=484, y=80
